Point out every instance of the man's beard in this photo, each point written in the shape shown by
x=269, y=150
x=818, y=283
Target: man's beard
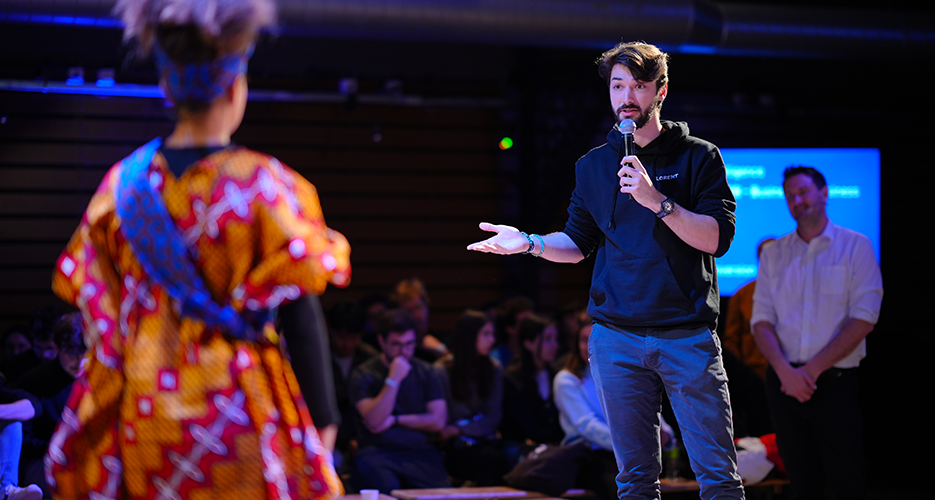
x=644, y=115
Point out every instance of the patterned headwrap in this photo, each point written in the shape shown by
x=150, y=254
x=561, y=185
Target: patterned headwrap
x=200, y=82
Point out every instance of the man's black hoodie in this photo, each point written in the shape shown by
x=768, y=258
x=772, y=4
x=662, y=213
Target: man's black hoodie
x=644, y=275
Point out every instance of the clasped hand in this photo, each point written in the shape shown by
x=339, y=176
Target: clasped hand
x=799, y=384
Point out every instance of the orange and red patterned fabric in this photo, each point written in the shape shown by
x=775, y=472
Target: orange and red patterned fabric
x=166, y=408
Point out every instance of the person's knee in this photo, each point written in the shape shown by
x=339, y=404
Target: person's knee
x=370, y=471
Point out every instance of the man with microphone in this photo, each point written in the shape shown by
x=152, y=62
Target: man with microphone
x=654, y=296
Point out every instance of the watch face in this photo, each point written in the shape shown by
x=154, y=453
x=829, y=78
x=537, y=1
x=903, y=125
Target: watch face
x=668, y=206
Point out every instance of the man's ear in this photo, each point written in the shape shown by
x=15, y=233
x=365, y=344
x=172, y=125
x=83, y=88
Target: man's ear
x=664, y=90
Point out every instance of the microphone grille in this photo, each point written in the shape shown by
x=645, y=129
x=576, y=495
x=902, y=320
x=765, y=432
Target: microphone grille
x=627, y=126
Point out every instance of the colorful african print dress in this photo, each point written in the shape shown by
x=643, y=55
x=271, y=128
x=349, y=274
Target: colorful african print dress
x=171, y=405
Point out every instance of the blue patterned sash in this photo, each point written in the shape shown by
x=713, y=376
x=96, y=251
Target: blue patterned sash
x=160, y=249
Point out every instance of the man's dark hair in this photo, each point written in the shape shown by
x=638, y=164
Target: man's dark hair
x=531, y=328
x=575, y=363
x=507, y=313
x=395, y=321
x=794, y=170
x=69, y=334
x=468, y=366
x=646, y=62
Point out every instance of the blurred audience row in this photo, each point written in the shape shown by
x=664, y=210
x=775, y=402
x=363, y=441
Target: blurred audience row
x=428, y=409
x=39, y=364
x=420, y=408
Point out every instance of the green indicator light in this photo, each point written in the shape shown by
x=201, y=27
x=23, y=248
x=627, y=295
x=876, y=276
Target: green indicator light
x=506, y=143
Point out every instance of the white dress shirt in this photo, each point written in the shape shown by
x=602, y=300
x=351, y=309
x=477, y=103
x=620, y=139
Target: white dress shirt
x=807, y=291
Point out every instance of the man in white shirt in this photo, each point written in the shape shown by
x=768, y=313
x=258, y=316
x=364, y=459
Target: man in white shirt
x=817, y=297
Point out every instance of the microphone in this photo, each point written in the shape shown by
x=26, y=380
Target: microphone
x=626, y=128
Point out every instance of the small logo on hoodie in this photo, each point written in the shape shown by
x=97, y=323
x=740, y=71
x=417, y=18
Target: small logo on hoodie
x=667, y=177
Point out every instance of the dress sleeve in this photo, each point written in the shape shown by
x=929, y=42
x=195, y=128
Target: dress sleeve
x=296, y=252
x=86, y=277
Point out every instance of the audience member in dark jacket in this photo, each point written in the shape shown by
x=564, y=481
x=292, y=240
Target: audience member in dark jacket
x=51, y=384
x=529, y=413
x=473, y=386
x=43, y=349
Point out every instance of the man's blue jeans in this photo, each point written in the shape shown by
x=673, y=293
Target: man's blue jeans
x=11, y=444
x=631, y=369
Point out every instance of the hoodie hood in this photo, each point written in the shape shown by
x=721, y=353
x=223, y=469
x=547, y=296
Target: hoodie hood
x=673, y=134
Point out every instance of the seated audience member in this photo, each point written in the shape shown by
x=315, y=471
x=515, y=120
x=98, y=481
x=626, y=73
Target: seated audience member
x=16, y=407
x=529, y=413
x=15, y=344
x=473, y=385
x=401, y=406
x=582, y=419
x=509, y=315
x=345, y=328
x=410, y=295
x=51, y=384
x=43, y=345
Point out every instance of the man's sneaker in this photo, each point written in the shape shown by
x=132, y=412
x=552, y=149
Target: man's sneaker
x=31, y=492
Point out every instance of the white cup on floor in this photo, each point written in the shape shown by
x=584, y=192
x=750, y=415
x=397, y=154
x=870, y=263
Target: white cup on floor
x=369, y=494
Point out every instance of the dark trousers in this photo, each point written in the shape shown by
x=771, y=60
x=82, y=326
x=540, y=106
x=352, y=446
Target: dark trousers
x=747, y=398
x=821, y=440
x=482, y=462
x=388, y=470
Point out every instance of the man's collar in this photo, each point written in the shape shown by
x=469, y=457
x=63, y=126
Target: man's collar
x=828, y=233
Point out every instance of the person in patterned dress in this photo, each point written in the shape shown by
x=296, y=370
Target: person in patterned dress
x=185, y=254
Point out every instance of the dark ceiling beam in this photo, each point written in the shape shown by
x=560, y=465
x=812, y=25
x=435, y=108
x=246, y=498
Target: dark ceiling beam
x=676, y=25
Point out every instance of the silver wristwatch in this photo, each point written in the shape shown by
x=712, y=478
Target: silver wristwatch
x=666, y=207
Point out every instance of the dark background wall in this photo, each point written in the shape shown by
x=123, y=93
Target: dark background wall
x=410, y=201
